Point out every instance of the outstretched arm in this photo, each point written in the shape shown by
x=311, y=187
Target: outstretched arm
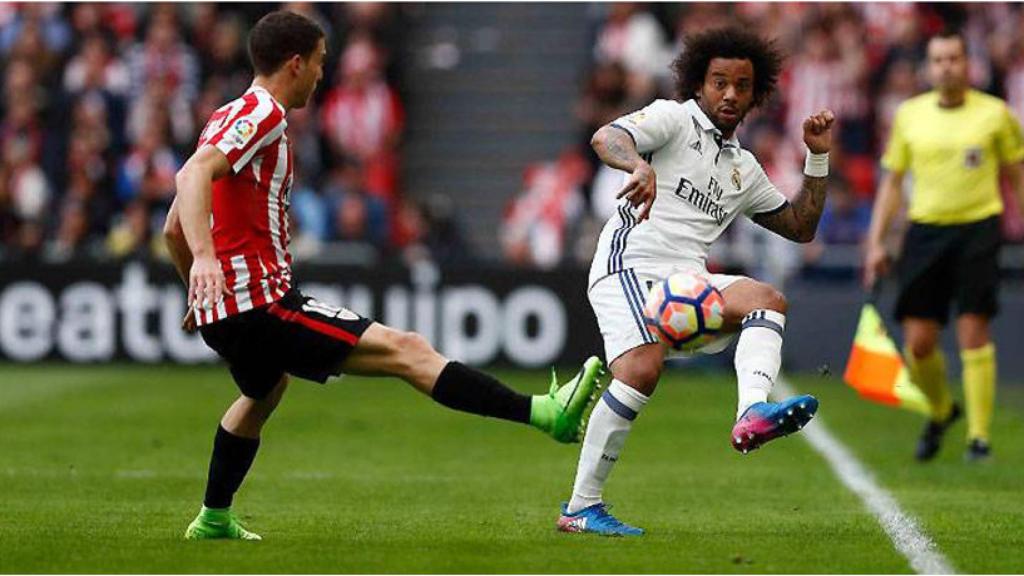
x=615, y=147
x=798, y=221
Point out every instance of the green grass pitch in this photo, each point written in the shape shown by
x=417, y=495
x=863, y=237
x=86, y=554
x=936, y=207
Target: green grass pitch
x=101, y=469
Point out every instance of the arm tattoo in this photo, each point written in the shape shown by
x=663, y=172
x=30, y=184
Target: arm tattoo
x=617, y=149
x=799, y=220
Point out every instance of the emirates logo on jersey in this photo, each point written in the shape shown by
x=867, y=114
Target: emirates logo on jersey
x=703, y=201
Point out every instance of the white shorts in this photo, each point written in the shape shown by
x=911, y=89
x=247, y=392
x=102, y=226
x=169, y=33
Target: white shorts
x=618, y=301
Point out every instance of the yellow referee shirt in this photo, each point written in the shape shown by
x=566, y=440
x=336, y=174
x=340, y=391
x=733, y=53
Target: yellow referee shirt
x=954, y=155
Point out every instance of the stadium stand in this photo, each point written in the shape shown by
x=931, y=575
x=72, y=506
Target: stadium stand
x=437, y=128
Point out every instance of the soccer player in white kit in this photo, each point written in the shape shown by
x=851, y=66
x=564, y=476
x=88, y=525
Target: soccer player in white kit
x=688, y=179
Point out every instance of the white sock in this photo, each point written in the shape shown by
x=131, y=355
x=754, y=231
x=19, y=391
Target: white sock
x=758, y=357
x=606, y=433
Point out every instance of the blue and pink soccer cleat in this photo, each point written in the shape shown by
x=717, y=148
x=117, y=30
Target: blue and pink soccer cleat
x=595, y=519
x=766, y=421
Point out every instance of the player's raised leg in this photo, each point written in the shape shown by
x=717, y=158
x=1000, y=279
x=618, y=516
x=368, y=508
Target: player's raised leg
x=383, y=351
x=759, y=311
x=234, y=449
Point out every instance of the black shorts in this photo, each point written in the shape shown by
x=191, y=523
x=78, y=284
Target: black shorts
x=943, y=263
x=296, y=335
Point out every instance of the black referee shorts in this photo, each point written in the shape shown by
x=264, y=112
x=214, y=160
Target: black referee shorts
x=942, y=263
x=296, y=335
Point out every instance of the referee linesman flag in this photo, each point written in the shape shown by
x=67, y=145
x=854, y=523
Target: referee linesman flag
x=875, y=368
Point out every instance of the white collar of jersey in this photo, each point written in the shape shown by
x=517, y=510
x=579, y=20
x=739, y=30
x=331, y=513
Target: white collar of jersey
x=707, y=125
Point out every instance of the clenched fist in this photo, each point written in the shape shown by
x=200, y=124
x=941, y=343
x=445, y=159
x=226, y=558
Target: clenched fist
x=818, y=131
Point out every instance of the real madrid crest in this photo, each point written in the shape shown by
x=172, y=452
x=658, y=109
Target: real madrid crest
x=736, y=178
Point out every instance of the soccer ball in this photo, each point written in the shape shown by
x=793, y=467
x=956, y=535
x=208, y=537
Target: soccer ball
x=684, y=311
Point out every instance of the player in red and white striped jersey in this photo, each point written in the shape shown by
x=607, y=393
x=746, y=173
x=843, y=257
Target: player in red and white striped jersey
x=227, y=233
x=250, y=228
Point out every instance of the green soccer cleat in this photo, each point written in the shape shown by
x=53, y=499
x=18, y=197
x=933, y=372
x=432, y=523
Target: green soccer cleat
x=560, y=411
x=218, y=524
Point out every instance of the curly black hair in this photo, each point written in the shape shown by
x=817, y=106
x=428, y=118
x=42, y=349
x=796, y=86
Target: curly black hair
x=691, y=66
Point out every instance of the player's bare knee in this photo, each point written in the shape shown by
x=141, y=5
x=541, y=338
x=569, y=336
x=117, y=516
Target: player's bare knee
x=972, y=331
x=639, y=372
x=415, y=344
x=772, y=299
x=920, y=345
x=749, y=296
x=412, y=350
x=645, y=378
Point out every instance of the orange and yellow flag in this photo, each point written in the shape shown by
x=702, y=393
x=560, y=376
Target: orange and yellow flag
x=876, y=370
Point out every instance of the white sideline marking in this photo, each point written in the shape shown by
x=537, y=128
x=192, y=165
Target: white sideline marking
x=923, y=555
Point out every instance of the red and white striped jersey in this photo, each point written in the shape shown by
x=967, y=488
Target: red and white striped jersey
x=249, y=218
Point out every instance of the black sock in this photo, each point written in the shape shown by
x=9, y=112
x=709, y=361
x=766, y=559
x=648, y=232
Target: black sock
x=232, y=457
x=463, y=388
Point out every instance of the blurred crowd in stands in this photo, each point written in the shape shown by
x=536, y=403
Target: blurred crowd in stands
x=860, y=60
x=102, y=103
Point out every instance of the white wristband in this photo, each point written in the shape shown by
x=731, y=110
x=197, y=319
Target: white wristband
x=816, y=165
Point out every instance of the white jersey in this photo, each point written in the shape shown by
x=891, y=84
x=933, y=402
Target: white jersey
x=703, y=183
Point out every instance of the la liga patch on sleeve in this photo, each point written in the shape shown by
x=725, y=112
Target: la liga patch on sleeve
x=636, y=118
x=241, y=132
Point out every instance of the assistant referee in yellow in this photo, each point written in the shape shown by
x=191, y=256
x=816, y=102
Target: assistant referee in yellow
x=955, y=142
